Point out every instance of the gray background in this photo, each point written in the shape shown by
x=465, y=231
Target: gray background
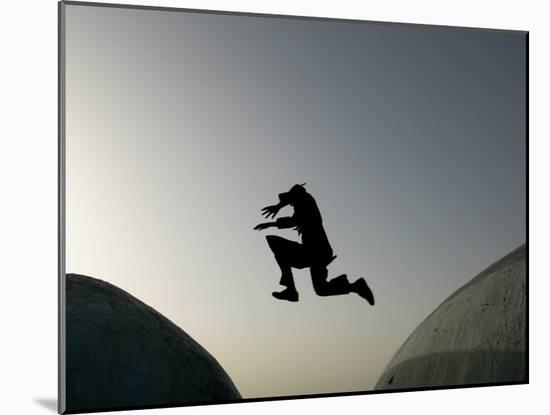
x=180, y=127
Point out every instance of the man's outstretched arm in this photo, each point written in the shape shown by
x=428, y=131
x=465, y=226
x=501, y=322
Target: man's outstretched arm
x=262, y=226
x=271, y=211
x=281, y=223
x=285, y=223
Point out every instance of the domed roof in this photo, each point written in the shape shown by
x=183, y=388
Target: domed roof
x=122, y=353
x=476, y=336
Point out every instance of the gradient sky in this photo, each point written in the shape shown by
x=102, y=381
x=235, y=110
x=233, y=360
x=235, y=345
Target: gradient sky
x=181, y=126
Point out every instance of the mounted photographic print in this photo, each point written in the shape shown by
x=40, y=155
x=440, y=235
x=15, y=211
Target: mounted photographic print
x=258, y=207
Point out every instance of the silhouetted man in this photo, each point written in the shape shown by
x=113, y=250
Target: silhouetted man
x=314, y=252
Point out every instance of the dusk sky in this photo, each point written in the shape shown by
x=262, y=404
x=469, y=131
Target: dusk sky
x=182, y=126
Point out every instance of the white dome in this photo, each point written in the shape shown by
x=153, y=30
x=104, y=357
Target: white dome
x=477, y=336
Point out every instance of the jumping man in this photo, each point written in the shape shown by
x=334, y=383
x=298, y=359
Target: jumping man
x=314, y=252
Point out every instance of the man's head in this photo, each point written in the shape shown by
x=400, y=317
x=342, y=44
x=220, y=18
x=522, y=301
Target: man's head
x=295, y=193
x=298, y=189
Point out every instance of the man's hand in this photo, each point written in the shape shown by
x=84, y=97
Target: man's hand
x=271, y=211
x=263, y=226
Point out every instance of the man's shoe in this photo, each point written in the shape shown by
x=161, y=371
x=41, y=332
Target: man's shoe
x=361, y=287
x=289, y=295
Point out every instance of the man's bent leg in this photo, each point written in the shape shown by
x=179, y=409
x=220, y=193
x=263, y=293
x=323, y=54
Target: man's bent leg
x=287, y=254
x=337, y=286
